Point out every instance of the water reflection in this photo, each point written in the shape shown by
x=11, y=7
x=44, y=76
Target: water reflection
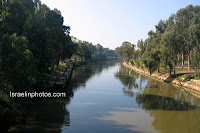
x=46, y=116
x=172, y=110
x=154, y=94
x=84, y=73
x=176, y=122
x=111, y=98
x=136, y=120
x=127, y=79
x=132, y=81
x=148, y=101
x=51, y=115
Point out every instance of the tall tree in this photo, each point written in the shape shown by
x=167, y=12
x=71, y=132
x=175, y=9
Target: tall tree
x=169, y=50
x=183, y=22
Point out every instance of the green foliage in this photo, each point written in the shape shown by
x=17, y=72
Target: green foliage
x=32, y=40
x=132, y=62
x=169, y=49
x=141, y=45
x=126, y=51
x=196, y=61
x=173, y=38
x=151, y=55
x=17, y=63
x=161, y=26
x=88, y=52
x=16, y=73
x=152, y=61
x=188, y=77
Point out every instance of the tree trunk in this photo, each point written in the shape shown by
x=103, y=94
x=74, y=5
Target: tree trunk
x=182, y=59
x=189, y=61
x=174, y=70
x=170, y=71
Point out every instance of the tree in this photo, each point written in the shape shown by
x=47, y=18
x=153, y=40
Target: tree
x=33, y=40
x=161, y=27
x=196, y=60
x=151, y=56
x=169, y=50
x=15, y=16
x=141, y=45
x=184, y=18
x=17, y=64
x=126, y=50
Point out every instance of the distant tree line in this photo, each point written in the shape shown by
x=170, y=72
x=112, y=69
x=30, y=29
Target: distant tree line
x=174, y=39
x=88, y=52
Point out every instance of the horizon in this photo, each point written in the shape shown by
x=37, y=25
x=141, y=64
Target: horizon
x=110, y=23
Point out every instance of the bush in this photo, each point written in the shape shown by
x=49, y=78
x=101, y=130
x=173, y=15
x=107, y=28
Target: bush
x=138, y=63
x=132, y=62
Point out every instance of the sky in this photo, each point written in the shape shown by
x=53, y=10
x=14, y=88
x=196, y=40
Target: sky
x=111, y=22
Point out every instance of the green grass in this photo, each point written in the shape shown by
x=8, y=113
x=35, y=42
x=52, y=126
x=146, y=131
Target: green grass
x=182, y=74
x=60, y=70
x=186, y=62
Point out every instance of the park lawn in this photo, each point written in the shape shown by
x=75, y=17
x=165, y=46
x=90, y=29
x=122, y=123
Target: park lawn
x=182, y=74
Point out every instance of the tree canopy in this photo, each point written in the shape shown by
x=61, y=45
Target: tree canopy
x=174, y=38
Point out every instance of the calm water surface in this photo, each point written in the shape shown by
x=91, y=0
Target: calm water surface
x=109, y=98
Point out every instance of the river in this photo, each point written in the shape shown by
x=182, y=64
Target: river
x=109, y=98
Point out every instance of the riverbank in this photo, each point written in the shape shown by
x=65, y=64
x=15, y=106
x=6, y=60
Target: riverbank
x=192, y=86
x=60, y=80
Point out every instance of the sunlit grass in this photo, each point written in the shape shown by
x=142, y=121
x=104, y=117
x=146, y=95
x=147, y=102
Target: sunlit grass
x=58, y=70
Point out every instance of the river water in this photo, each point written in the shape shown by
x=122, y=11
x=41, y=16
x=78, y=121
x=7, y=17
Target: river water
x=109, y=98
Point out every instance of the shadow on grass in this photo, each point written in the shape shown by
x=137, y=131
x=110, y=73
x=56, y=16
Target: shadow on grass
x=173, y=77
x=181, y=74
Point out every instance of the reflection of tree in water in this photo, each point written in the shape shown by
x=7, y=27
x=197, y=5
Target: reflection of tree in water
x=165, y=97
x=176, y=121
x=153, y=94
x=128, y=92
x=173, y=110
x=130, y=80
x=148, y=101
x=156, y=95
x=83, y=73
x=46, y=116
x=50, y=115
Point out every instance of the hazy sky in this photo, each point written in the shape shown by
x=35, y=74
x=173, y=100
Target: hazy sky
x=111, y=22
